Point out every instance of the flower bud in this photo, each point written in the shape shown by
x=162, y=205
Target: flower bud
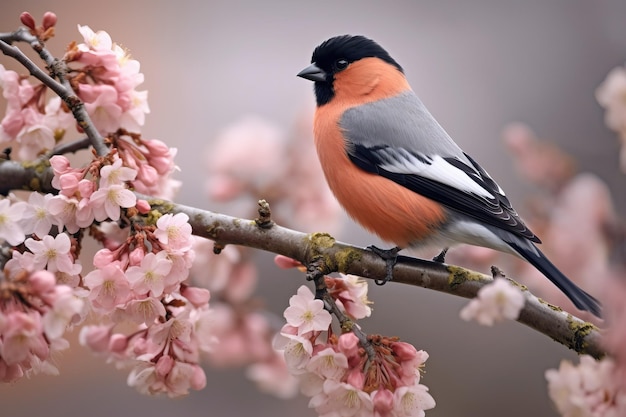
x=143, y=206
x=118, y=343
x=404, y=351
x=196, y=296
x=28, y=20
x=49, y=20
x=42, y=281
x=383, y=401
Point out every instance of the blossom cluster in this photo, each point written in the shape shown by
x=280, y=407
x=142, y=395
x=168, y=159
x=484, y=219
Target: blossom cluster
x=139, y=277
x=142, y=281
x=103, y=76
x=344, y=376
x=591, y=389
x=34, y=314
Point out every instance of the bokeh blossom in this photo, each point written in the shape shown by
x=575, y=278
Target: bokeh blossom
x=495, y=302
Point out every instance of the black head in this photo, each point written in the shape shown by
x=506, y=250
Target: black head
x=335, y=55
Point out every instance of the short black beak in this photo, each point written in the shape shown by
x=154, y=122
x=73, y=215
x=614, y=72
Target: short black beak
x=313, y=73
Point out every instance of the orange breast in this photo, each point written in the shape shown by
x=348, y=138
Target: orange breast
x=391, y=211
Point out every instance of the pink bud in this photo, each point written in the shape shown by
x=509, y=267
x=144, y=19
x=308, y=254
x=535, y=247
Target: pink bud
x=96, y=337
x=143, y=206
x=404, y=351
x=164, y=365
x=156, y=147
x=198, y=379
x=10, y=373
x=285, y=262
x=28, y=20
x=196, y=296
x=137, y=255
x=86, y=188
x=348, y=344
x=103, y=258
x=383, y=401
x=42, y=281
x=356, y=378
x=49, y=20
x=59, y=163
x=148, y=174
x=118, y=343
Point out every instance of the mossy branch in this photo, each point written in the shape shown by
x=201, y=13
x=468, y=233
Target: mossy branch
x=578, y=335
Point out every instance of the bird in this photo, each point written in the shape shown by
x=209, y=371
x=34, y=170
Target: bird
x=398, y=173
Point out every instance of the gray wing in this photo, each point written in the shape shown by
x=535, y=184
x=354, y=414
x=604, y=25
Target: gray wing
x=399, y=139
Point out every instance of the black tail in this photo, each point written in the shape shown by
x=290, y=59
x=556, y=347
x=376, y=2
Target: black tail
x=536, y=258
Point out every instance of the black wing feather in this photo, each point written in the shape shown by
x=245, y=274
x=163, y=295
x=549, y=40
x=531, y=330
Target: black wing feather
x=497, y=212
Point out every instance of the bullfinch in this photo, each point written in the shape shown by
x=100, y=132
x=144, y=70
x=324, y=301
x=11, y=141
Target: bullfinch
x=398, y=173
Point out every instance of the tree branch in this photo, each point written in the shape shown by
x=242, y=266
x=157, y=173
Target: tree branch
x=31, y=176
x=578, y=335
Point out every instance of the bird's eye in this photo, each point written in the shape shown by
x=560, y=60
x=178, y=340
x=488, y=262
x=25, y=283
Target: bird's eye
x=341, y=64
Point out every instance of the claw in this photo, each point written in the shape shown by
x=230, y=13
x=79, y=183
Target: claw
x=390, y=256
x=441, y=258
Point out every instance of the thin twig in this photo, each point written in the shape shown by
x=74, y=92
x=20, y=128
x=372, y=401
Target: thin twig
x=62, y=87
x=70, y=147
x=316, y=271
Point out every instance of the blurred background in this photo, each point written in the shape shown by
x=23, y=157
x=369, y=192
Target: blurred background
x=477, y=65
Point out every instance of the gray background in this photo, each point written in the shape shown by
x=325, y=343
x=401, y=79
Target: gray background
x=478, y=66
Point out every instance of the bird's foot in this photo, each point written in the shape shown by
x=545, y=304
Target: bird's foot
x=390, y=256
x=441, y=258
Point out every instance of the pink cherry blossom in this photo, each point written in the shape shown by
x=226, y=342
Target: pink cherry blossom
x=107, y=202
x=411, y=401
x=108, y=287
x=35, y=137
x=52, y=253
x=149, y=277
x=495, y=302
x=328, y=364
x=174, y=231
x=341, y=398
x=306, y=313
x=350, y=293
x=64, y=210
x=101, y=105
x=10, y=216
x=36, y=217
x=116, y=173
x=145, y=310
x=167, y=376
x=297, y=350
x=96, y=41
x=135, y=115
